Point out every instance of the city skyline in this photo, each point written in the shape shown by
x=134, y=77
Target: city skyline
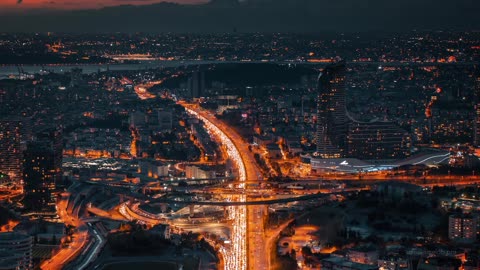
x=240, y=135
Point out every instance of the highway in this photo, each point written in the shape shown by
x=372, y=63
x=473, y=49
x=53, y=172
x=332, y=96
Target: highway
x=90, y=254
x=252, y=216
x=248, y=203
x=79, y=238
x=235, y=256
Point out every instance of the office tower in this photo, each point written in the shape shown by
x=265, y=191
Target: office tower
x=42, y=170
x=52, y=140
x=462, y=227
x=16, y=251
x=39, y=177
x=476, y=123
x=196, y=84
x=377, y=140
x=11, y=147
x=331, y=111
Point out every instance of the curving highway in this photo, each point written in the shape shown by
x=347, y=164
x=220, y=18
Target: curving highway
x=252, y=254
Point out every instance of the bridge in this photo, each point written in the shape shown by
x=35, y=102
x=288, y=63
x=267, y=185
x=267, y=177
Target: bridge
x=240, y=203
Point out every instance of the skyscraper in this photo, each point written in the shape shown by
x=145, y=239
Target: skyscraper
x=331, y=114
x=11, y=147
x=52, y=139
x=39, y=176
x=42, y=170
x=476, y=123
x=196, y=84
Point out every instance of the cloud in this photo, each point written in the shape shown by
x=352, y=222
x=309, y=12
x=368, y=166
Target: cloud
x=19, y=1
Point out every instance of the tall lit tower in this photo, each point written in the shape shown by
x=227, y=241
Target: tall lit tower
x=476, y=124
x=11, y=147
x=52, y=139
x=42, y=170
x=331, y=114
x=196, y=84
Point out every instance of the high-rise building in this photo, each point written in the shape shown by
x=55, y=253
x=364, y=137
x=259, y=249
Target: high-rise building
x=196, y=84
x=331, y=111
x=476, y=124
x=42, y=170
x=19, y=249
x=463, y=227
x=377, y=140
x=12, y=145
x=39, y=177
x=52, y=140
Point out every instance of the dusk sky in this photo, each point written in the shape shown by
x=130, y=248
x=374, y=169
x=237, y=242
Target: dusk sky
x=81, y=4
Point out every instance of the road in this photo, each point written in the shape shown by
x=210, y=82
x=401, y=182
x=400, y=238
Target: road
x=91, y=253
x=256, y=245
x=235, y=255
x=272, y=236
x=79, y=238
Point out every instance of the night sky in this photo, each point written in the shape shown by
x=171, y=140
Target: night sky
x=302, y=16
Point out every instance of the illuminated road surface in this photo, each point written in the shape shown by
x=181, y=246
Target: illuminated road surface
x=235, y=256
x=65, y=255
x=248, y=225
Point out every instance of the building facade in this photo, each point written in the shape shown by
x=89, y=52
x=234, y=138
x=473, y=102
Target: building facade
x=196, y=84
x=19, y=246
x=476, y=121
x=463, y=227
x=331, y=111
x=42, y=171
x=12, y=146
x=194, y=172
x=377, y=140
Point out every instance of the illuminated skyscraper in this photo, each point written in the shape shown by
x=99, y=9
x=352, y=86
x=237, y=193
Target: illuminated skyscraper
x=42, y=170
x=196, y=84
x=476, y=124
x=39, y=175
x=11, y=147
x=331, y=114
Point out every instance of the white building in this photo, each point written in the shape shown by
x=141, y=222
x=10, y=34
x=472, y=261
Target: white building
x=194, y=172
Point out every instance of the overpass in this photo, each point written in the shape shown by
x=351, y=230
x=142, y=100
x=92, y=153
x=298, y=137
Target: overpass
x=241, y=203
